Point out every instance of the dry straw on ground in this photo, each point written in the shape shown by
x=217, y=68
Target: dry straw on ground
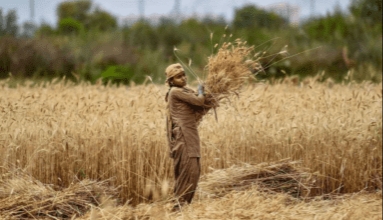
x=283, y=177
x=23, y=197
x=252, y=204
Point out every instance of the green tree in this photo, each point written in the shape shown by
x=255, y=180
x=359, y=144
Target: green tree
x=45, y=30
x=101, y=20
x=169, y=35
x=142, y=35
x=2, y=32
x=29, y=29
x=369, y=11
x=367, y=25
x=194, y=31
x=11, y=27
x=78, y=10
x=332, y=28
x=253, y=17
x=81, y=11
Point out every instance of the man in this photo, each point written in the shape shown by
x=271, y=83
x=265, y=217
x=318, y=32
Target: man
x=185, y=108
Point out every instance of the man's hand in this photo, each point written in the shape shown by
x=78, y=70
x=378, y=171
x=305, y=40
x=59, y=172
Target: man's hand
x=201, y=89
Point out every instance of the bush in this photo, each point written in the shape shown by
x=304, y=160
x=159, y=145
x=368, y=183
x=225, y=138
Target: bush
x=118, y=74
x=70, y=26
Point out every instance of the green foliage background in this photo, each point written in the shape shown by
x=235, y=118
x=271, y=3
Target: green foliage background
x=88, y=44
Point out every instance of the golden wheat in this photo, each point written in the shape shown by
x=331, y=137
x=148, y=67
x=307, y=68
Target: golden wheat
x=61, y=133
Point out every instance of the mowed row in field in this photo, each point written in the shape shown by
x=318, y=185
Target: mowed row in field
x=61, y=133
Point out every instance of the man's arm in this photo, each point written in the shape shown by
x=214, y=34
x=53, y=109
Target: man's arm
x=189, y=97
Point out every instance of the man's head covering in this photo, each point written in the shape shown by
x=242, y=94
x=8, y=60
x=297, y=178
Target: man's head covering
x=172, y=70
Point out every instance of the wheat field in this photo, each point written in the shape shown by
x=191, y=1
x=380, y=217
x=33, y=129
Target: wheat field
x=60, y=133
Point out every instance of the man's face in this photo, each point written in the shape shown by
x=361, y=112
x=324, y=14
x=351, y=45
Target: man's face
x=180, y=79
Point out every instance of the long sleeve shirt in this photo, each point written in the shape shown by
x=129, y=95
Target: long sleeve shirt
x=184, y=114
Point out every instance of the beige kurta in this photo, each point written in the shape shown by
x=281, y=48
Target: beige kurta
x=185, y=111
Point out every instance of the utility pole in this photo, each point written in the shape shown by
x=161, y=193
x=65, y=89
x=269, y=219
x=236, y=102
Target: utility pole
x=32, y=8
x=177, y=8
x=312, y=8
x=141, y=8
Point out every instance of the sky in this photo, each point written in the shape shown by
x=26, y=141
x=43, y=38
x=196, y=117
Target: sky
x=45, y=10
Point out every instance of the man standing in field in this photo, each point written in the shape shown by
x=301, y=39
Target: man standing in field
x=185, y=108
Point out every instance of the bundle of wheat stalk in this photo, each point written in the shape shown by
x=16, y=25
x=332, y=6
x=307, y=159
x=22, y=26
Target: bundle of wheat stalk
x=22, y=197
x=229, y=69
x=282, y=176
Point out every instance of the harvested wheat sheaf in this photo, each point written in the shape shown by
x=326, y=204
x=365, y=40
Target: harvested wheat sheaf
x=23, y=197
x=229, y=69
x=282, y=176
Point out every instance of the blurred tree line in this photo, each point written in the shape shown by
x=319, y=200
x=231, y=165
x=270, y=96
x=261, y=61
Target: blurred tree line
x=87, y=43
